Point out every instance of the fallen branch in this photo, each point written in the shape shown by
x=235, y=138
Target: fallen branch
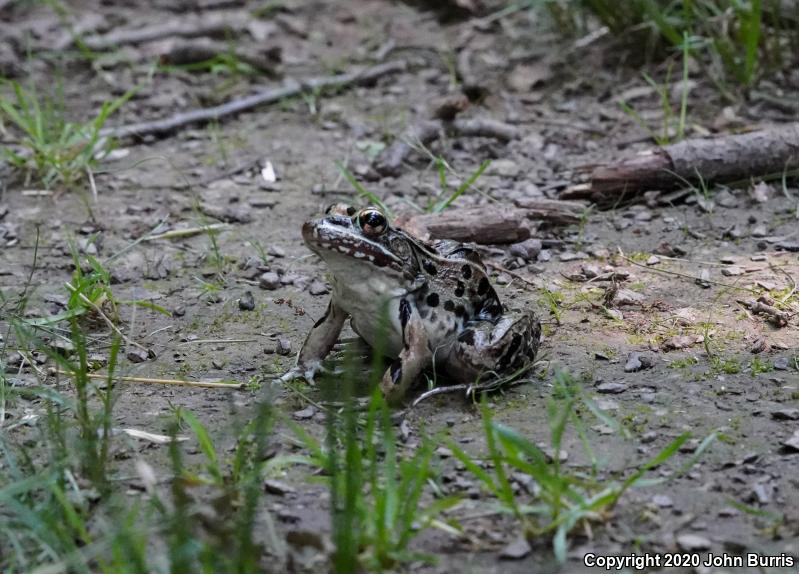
x=763, y=306
x=188, y=232
x=147, y=380
x=218, y=25
x=720, y=159
x=489, y=224
x=289, y=89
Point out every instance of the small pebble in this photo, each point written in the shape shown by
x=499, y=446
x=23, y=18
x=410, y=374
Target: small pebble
x=732, y=271
x=283, y=346
x=318, y=288
x=247, y=302
x=692, y=542
x=611, y=388
x=269, y=281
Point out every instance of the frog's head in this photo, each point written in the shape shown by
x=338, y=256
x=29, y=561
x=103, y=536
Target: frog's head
x=349, y=239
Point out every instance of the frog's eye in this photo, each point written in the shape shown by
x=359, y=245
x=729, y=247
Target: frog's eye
x=372, y=222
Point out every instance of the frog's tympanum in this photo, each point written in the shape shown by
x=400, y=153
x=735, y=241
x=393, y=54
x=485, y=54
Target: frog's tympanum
x=442, y=310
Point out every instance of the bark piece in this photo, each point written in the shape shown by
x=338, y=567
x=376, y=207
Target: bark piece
x=724, y=158
x=487, y=224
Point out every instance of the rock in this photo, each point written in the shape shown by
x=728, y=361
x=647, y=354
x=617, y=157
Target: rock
x=725, y=198
x=704, y=279
x=653, y=260
x=759, y=231
x=670, y=250
x=611, y=388
x=318, y=288
x=732, y=271
x=785, y=415
x=276, y=251
x=504, y=168
x=277, y=487
x=567, y=256
x=269, y=281
x=782, y=363
x=283, y=346
x=525, y=77
x=62, y=346
x=760, y=192
x=136, y=355
x=628, y=297
x=544, y=256
x=692, y=543
x=304, y=414
x=590, y=271
x=527, y=249
x=633, y=363
x=638, y=362
x=662, y=501
x=516, y=550
x=247, y=302
x=791, y=444
x=760, y=494
x=681, y=342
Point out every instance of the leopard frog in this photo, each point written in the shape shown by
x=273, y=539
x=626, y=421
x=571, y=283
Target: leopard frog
x=441, y=309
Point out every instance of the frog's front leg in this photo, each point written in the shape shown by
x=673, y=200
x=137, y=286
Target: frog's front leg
x=318, y=343
x=414, y=357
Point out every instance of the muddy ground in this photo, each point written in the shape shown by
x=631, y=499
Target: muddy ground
x=731, y=371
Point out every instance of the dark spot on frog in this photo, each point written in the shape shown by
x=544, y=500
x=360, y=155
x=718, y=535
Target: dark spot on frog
x=460, y=310
x=396, y=371
x=449, y=306
x=433, y=317
x=506, y=359
x=429, y=267
x=459, y=289
x=466, y=270
x=404, y=312
x=351, y=211
x=432, y=299
x=484, y=286
x=467, y=337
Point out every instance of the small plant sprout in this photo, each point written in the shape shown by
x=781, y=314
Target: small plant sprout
x=50, y=148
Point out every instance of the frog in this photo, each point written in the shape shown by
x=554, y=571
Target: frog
x=422, y=304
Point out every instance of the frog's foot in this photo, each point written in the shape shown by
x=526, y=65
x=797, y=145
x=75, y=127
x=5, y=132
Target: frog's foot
x=307, y=371
x=413, y=359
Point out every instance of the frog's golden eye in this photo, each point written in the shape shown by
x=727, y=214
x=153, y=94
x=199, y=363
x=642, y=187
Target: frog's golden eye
x=372, y=222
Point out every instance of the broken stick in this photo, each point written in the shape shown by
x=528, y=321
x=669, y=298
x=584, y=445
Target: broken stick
x=487, y=224
x=266, y=96
x=720, y=159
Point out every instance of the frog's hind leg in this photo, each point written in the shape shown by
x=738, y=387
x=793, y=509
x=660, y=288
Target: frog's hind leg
x=414, y=357
x=318, y=343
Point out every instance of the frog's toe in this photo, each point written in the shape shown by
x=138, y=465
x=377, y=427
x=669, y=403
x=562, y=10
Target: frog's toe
x=307, y=371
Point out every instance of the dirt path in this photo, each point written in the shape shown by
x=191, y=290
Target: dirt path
x=697, y=358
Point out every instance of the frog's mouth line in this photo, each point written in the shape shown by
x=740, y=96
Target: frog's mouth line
x=325, y=237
